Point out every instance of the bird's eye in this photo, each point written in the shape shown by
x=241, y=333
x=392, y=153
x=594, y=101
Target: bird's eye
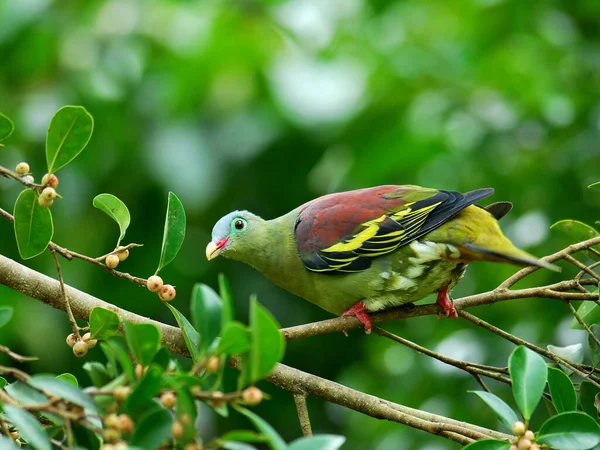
x=238, y=224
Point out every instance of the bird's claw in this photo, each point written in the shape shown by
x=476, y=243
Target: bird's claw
x=444, y=300
x=360, y=312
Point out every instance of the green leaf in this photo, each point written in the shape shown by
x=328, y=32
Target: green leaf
x=320, y=442
x=63, y=389
x=569, y=431
x=97, y=373
x=268, y=344
x=115, y=351
x=206, y=314
x=142, y=397
x=69, y=378
x=8, y=444
x=29, y=427
x=577, y=231
x=33, y=224
x=143, y=340
x=25, y=395
x=115, y=209
x=488, y=444
x=589, y=313
x=227, y=297
x=235, y=339
x=231, y=445
x=504, y=412
x=152, y=429
x=103, y=323
x=562, y=390
x=587, y=397
x=593, y=347
x=6, y=127
x=69, y=132
x=190, y=335
x=174, y=231
x=273, y=438
x=243, y=435
x=3, y=382
x=529, y=374
x=6, y=313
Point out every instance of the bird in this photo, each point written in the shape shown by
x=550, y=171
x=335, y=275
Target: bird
x=357, y=252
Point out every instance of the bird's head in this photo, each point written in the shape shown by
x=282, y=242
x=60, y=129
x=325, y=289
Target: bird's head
x=234, y=235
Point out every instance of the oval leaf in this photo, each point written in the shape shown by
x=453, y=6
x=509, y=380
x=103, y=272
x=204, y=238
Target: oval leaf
x=6, y=313
x=29, y=427
x=152, y=429
x=6, y=127
x=589, y=313
x=320, y=442
x=69, y=378
x=569, y=431
x=7, y=443
x=63, y=389
x=190, y=335
x=207, y=308
x=235, y=339
x=488, y=444
x=587, y=398
x=174, y=231
x=529, y=373
x=268, y=344
x=504, y=412
x=577, y=231
x=142, y=398
x=593, y=347
x=115, y=209
x=562, y=390
x=69, y=132
x=143, y=340
x=273, y=438
x=103, y=323
x=227, y=297
x=33, y=225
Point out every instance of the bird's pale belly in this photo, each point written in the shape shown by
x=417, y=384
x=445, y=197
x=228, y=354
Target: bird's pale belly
x=405, y=278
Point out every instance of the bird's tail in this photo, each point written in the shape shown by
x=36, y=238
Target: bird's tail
x=509, y=254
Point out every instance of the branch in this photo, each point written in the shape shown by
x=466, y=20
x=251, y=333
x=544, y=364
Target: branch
x=41, y=287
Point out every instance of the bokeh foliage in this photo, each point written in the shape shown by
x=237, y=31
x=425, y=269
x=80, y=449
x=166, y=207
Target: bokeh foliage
x=265, y=105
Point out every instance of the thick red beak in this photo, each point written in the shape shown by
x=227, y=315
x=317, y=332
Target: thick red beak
x=214, y=248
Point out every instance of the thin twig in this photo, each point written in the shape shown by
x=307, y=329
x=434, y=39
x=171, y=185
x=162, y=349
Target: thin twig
x=19, y=358
x=300, y=400
x=583, y=324
x=64, y=297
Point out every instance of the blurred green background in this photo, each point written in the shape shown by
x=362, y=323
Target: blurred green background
x=265, y=105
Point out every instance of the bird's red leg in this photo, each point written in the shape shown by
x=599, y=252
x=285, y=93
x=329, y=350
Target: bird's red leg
x=444, y=300
x=360, y=312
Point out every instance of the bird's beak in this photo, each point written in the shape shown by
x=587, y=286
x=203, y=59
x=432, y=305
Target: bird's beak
x=213, y=249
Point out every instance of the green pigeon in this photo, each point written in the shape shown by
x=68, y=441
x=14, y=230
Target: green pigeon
x=366, y=250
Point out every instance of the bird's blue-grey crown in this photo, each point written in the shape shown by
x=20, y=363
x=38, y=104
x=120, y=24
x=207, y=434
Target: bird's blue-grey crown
x=223, y=227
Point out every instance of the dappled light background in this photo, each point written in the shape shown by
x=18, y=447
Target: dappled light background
x=263, y=105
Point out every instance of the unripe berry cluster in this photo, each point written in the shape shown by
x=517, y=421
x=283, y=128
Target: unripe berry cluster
x=115, y=426
x=525, y=438
x=166, y=292
x=81, y=346
x=113, y=260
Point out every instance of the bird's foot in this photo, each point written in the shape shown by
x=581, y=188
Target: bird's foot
x=360, y=312
x=444, y=300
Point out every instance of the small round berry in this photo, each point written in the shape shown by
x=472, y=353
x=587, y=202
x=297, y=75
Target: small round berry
x=534, y=446
x=90, y=342
x=121, y=446
x=80, y=349
x=217, y=399
x=112, y=261
x=121, y=393
x=529, y=435
x=519, y=428
x=125, y=423
x=252, y=396
x=112, y=435
x=513, y=447
x=14, y=435
x=154, y=283
x=112, y=421
x=168, y=399
x=45, y=202
x=524, y=444
x=140, y=370
x=71, y=340
x=123, y=255
x=28, y=179
x=108, y=447
x=50, y=180
x=177, y=429
x=49, y=193
x=167, y=293
x=22, y=168
x=213, y=364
